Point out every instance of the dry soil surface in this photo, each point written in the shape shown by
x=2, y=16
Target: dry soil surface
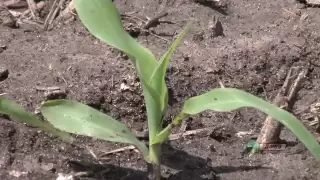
x=262, y=40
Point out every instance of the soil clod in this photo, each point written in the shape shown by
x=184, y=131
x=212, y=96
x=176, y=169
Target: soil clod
x=4, y=73
x=6, y=18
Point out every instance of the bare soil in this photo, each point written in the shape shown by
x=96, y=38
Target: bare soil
x=262, y=40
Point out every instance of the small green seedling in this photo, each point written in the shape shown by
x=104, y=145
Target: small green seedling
x=102, y=19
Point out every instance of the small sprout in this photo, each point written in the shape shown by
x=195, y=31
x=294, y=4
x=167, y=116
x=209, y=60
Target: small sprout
x=252, y=147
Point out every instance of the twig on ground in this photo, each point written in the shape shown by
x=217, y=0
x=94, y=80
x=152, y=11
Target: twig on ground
x=188, y=133
x=154, y=21
x=32, y=22
x=64, y=80
x=155, y=35
x=80, y=174
x=15, y=13
x=271, y=129
x=221, y=84
x=172, y=137
x=49, y=16
x=144, y=26
x=112, y=81
x=137, y=30
x=53, y=88
x=118, y=150
x=241, y=134
x=297, y=82
x=130, y=16
x=56, y=7
x=33, y=9
x=56, y=11
x=183, y=126
x=93, y=154
x=68, y=13
x=22, y=16
x=39, y=6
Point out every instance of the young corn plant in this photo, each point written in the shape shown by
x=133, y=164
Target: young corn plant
x=102, y=19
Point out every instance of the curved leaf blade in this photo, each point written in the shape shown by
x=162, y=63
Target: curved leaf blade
x=15, y=111
x=102, y=19
x=163, y=135
x=158, y=76
x=228, y=99
x=153, y=106
x=77, y=118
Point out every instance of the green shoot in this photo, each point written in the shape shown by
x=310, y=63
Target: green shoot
x=102, y=19
x=83, y=120
x=15, y=111
x=228, y=99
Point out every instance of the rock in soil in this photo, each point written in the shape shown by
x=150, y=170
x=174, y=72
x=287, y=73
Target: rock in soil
x=4, y=73
x=6, y=18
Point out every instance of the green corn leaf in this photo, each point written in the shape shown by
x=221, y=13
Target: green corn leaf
x=16, y=112
x=77, y=118
x=102, y=19
x=158, y=81
x=158, y=76
x=153, y=106
x=162, y=136
x=229, y=99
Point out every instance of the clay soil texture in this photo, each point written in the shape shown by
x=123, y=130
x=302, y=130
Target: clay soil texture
x=261, y=41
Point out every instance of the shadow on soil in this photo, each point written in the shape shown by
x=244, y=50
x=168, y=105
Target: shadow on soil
x=188, y=167
x=215, y=6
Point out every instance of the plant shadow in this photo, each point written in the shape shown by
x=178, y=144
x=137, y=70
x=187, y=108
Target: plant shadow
x=214, y=5
x=177, y=165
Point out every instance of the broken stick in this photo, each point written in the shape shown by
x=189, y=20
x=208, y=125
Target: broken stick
x=68, y=13
x=39, y=6
x=33, y=9
x=172, y=137
x=154, y=21
x=270, y=132
x=55, y=9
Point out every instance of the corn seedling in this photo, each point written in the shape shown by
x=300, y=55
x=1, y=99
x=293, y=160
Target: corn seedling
x=102, y=19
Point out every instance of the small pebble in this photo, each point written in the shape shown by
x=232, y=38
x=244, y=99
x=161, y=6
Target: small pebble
x=215, y=26
x=47, y=167
x=2, y=48
x=4, y=73
x=212, y=148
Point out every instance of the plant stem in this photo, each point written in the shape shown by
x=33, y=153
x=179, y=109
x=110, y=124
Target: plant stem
x=154, y=171
x=154, y=168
